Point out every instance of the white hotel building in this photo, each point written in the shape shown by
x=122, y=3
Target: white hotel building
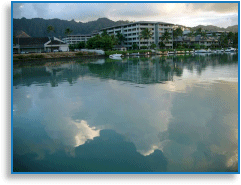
x=76, y=38
x=132, y=32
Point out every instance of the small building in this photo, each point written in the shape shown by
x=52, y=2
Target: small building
x=38, y=45
x=56, y=44
x=30, y=44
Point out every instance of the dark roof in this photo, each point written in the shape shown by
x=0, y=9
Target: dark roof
x=32, y=41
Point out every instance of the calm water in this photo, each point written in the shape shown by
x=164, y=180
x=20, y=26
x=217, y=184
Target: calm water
x=175, y=114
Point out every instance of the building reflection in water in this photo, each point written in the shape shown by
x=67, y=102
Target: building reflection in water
x=99, y=149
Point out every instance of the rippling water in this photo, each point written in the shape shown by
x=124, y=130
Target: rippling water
x=158, y=114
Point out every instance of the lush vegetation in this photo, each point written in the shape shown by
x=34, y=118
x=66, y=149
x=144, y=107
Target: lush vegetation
x=80, y=45
x=103, y=41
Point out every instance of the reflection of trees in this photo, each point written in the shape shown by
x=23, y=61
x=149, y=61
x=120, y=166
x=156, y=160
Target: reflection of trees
x=106, y=70
x=138, y=70
x=167, y=68
x=146, y=73
x=200, y=62
x=178, y=70
x=44, y=75
x=144, y=59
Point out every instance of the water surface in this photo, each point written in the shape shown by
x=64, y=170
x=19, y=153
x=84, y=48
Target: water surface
x=157, y=114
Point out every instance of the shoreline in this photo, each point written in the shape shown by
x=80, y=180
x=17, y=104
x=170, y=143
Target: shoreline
x=48, y=57
x=20, y=59
x=51, y=56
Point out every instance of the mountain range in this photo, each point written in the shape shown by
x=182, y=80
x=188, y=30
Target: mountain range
x=216, y=28
x=37, y=27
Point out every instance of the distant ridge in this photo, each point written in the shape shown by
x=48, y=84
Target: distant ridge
x=37, y=27
x=216, y=28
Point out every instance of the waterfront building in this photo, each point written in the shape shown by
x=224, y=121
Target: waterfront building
x=76, y=38
x=132, y=32
x=191, y=41
x=38, y=45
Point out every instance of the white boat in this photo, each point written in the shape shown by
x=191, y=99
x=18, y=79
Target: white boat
x=209, y=51
x=201, y=51
x=220, y=51
x=230, y=50
x=115, y=55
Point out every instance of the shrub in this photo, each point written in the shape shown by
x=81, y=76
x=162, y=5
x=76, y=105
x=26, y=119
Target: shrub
x=162, y=50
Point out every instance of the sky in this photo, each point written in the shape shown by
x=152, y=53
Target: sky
x=188, y=14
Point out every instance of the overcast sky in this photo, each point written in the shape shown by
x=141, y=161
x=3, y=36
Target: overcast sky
x=188, y=14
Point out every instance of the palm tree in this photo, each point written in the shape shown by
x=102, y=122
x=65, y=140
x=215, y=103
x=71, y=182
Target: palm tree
x=204, y=35
x=68, y=31
x=50, y=30
x=214, y=34
x=230, y=36
x=177, y=32
x=190, y=34
x=146, y=34
x=120, y=38
x=223, y=40
x=198, y=31
x=104, y=33
x=166, y=36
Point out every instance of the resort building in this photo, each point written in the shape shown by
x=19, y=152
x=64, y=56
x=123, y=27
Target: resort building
x=76, y=38
x=207, y=42
x=132, y=32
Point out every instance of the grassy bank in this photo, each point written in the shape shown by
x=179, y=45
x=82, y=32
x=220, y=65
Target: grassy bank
x=80, y=54
x=57, y=55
